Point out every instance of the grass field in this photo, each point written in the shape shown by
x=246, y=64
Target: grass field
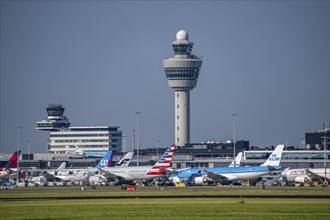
x=166, y=208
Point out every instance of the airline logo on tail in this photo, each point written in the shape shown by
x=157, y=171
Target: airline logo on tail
x=164, y=163
x=106, y=160
x=275, y=158
x=12, y=163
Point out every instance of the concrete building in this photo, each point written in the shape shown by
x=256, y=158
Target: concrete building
x=316, y=139
x=182, y=72
x=88, y=138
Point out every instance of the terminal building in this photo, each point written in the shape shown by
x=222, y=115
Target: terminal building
x=65, y=138
x=87, y=138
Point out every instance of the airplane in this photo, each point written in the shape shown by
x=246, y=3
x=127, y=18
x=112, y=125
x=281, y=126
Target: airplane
x=197, y=176
x=80, y=174
x=10, y=166
x=228, y=174
x=90, y=176
x=306, y=175
x=84, y=153
x=141, y=173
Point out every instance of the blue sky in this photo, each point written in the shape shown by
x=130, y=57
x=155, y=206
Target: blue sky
x=267, y=61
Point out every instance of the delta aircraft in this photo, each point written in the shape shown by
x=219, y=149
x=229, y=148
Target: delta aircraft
x=197, y=176
x=10, y=166
x=222, y=174
x=141, y=173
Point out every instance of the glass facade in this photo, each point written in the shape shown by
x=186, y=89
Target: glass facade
x=294, y=155
x=182, y=49
x=182, y=73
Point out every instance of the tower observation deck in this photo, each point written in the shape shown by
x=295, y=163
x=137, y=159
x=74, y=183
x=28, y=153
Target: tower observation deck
x=56, y=120
x=182, y=72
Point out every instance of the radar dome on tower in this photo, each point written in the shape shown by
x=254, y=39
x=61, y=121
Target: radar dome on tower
x=182, y=35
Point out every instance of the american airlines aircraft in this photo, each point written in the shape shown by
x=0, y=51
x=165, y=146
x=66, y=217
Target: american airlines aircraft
x=220, y=174
x=141, y=173
x=10, y=166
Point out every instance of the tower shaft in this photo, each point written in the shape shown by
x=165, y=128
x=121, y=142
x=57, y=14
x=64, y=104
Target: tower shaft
x=182, y=117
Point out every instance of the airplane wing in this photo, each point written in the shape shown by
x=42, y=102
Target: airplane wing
x=217, y=177
x=168, y=170
x=49, y=177
x=271, y=168
x=313, y=175
x=114, y=177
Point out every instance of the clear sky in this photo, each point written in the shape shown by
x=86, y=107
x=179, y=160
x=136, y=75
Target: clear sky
x=267, y=61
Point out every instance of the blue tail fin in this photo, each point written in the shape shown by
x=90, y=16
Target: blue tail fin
x=106, y=160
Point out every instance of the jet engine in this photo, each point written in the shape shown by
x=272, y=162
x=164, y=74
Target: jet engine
x=200, y=180
x=302, y=179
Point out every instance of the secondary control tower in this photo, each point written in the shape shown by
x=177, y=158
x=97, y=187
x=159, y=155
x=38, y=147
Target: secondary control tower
x=56, y=121
x=182, y=72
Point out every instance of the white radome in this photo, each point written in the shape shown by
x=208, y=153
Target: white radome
x=182, y=35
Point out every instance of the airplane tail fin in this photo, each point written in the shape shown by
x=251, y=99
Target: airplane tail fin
x=124, y=162
x=106, y=160
x=237, y=161
x=163, y=163
x=13, y=160
x=62, y=166
x=275, y=158
x=78, y=151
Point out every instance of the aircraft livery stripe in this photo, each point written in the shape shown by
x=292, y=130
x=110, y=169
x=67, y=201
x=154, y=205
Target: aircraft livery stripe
x=156, y=173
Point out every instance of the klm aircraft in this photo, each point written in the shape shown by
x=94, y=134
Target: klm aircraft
x=225, y=174
x=84, y=153
x=195, y=175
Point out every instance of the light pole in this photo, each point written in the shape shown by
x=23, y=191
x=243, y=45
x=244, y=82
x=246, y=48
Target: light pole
x=234, y=118
x=286, y=143
x=157, y=148
x=18, y=127
x=133, y=140
x=137, y=138
x=28, y=147
x=124, y=140
x=325, y=158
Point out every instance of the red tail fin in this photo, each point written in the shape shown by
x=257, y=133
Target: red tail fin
x=163, y=163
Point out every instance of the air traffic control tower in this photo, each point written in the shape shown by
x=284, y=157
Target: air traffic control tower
x=182, y=72
x=56, y=121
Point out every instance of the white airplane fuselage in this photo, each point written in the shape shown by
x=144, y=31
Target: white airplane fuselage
x=132, y=173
